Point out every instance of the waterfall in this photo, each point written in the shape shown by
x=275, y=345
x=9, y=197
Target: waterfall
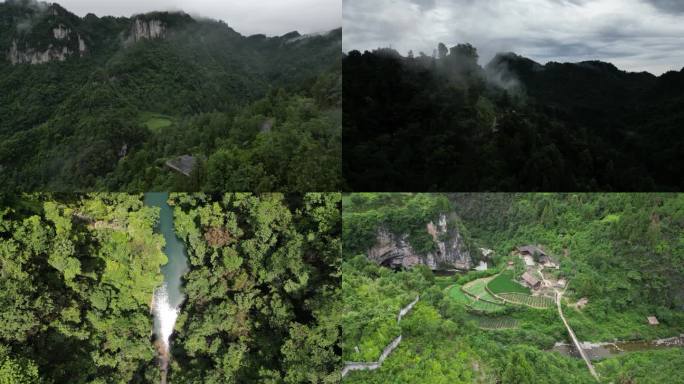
x=164, y=316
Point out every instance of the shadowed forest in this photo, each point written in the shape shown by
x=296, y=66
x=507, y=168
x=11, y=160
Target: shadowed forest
x=445, y=123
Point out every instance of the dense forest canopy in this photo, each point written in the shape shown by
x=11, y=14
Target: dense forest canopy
x=105, y=102
x=622, y=252
x=77, y=275
x=263, y=304
x=445, y=123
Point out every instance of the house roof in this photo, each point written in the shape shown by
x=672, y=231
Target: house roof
x=653, y=320
x=531, y=249
x=548, y=259
x=529, y=279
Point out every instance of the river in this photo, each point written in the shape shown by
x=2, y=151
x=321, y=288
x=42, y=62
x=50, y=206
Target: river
x=169, y=296
x=597, y=351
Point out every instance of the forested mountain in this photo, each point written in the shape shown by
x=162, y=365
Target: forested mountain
x=446, y=123
x=77, y=275
x=619, y=260
x=105, y=102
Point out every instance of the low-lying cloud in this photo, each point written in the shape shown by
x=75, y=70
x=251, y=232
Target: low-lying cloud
x=271, y=17
x=635, y=35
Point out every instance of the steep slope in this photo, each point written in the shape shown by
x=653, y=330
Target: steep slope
x=445, y=123
x=73, y=82
x=412, y=230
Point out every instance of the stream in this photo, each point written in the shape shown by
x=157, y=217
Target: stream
x=169, y=296
x=597, y=351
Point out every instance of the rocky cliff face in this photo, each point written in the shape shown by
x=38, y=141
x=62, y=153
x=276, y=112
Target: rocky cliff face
x=63, y=44
x=395, y=250
x=33, y=56
x=147, y=30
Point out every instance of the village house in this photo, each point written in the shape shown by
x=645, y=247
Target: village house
x=548, y=262
x=652, y=320
x=531, y=281
x=530, y=250
x=532, y=253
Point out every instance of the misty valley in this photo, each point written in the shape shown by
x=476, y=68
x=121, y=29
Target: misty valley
x=164, y=101
x=442, y=122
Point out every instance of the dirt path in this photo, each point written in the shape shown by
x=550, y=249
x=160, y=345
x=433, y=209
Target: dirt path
x=559, y=295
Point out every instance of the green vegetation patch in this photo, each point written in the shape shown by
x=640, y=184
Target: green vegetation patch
x=504, y=283
x=444, y=281
x=658, y=366
x=528, y=300
x=477, y=288
x=457, y=294
x=156, y=122
x=370, y=305
x=493, y=323
x=611, y=219
x=486, y=307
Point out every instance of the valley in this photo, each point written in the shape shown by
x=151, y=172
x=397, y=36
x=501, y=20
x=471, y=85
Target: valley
x=169, y=288
x=105, y=103
x=508, y=322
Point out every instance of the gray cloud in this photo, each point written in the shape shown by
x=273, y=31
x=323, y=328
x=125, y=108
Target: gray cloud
x=635, y=35
x=271, y=17
x=668, y=5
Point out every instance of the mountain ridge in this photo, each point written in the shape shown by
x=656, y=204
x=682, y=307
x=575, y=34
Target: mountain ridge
x=82, y=83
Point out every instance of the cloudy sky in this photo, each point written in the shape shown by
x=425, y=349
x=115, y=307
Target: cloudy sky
x=635, y=35
x=271, y=17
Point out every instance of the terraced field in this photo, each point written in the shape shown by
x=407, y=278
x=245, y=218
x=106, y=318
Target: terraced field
x=477, y=288
x=504, y=283
x=493, y=323
x=458, y=295
x=486, y=306
x=530, y=301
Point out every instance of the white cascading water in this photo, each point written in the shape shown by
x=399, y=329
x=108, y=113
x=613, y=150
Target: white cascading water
x=165, y=316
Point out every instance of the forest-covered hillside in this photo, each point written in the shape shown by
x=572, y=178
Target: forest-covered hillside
x=445, y=123
x=620, y=260
x=105, y=102
x=78, y=272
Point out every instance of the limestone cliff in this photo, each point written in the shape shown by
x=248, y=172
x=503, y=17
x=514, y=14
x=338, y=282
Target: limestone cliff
x=147, y=30
x=61, y=44
x=34, y=56
x=450, y=251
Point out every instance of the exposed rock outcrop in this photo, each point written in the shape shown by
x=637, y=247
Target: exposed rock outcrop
x=147, y=30
x=451, y=250
x=82, y=48
x=33, y=56
x=61, y=32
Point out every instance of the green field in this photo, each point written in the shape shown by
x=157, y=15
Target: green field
x=486, y=306
x=492, y=323
x=530, y=301
x=458, y=295
x=444, y=281
x=477, y=288
x=156, y=122
x=504, y=283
